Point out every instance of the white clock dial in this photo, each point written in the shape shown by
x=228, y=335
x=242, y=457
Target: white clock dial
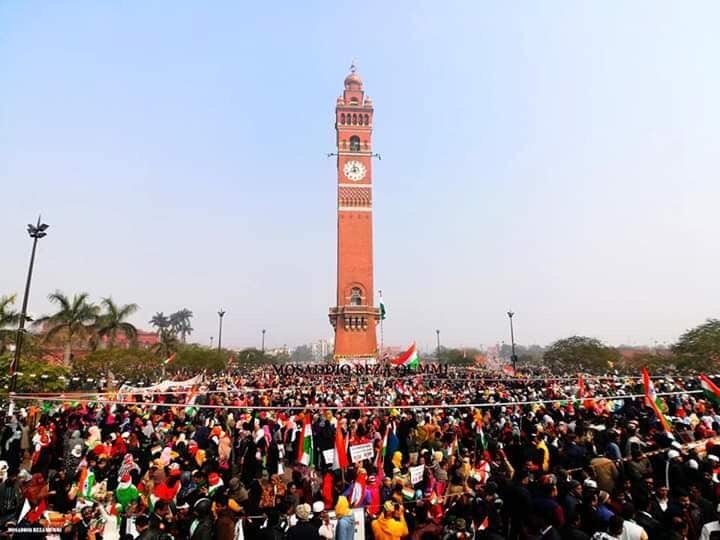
x=354, y=170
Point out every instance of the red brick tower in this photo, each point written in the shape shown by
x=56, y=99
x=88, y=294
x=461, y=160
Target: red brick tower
x=355, y=316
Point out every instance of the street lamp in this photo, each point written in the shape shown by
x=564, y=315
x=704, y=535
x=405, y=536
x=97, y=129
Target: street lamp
x=36, y=232
x=438, y=343
x=513, y=356
x=221, y=314
x=262, y=349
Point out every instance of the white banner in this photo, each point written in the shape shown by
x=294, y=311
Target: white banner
x=416, y=474
x=161, y=386
x=359, y=452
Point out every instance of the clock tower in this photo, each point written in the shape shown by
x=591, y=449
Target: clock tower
x=355, y=316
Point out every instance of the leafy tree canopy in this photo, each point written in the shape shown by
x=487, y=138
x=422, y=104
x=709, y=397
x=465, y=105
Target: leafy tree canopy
x=580, y=353
x=700, y=346
x=458, y=357
x=198, y=358
x=122, y=363
x=34, y=376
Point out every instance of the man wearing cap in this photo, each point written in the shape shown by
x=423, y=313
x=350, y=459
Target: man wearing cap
x=303, y=529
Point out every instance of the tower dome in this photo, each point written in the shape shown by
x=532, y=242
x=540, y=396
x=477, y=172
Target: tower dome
x=353, y=79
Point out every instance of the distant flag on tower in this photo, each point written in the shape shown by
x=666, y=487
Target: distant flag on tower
x=383, y=312
x=409, y=358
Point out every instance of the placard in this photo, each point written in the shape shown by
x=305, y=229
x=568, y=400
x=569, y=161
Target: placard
x=329, y=456
x=359, y=452
x=416, y=474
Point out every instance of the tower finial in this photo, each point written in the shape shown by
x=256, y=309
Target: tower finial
x=353, y=68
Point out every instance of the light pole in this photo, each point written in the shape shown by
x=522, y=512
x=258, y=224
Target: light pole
x=221, y=314
x=36, y=232
x=262, y=349
x=438, y=343
x=513, y=356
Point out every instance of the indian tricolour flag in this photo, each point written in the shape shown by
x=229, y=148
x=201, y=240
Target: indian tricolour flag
x=712, y=392
x=654, y=401
x=383, y=312
x=409, y=358
x=305, y=446
x=169, y=359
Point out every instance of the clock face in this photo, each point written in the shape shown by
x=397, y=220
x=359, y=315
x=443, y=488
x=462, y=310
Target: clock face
x=354, y=170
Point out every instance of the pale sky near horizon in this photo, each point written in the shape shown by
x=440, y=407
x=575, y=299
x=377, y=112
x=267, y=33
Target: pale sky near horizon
x=556, y=158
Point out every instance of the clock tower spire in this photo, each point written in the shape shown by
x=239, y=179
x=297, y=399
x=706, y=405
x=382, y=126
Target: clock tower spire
x=355, y=316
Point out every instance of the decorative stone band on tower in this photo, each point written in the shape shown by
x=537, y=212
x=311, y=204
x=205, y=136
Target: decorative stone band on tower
x=355, y=316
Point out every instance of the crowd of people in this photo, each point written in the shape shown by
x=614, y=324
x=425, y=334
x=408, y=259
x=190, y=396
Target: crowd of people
x=463, y=455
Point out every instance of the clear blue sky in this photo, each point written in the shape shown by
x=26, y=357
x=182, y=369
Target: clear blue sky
x=556, y=158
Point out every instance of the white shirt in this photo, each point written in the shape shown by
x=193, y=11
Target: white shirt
x=709, y=528
x=633, y=531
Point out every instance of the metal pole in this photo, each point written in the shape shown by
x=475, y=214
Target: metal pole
x=513, y=356
x=221, y=313
x=263, y=341
x=438, y=343
x=36, y=232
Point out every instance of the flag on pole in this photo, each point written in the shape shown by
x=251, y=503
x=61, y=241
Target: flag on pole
x=383, y=312
x=305, y=446
x=341, y=457
x=710, y=389
x=654, y=401
x=169, y=359
x=409, y=358
x=380, y=465
x=508, y=370
x=581, y=387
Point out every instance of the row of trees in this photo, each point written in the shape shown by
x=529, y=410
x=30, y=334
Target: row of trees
x=696, y=350
x=78, y=321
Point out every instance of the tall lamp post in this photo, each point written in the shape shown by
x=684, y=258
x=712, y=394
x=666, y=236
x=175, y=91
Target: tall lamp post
x=262, y=349
x=437, y=332
x=36, y=232
x=513, y=356
x=221, y=314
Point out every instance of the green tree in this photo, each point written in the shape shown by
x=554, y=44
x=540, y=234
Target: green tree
x=197, y=358
x=180, y=322
x=580, y=353
x=699, y=348
x=458, y=357
x=160, y=321
x=9, y=319
x=113, y=320
x=252, y=357
x=34, y=375
x=121, y=363
x=167, y=344
x=75, y=319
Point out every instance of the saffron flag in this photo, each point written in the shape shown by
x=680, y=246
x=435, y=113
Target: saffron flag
x=341, y=457
x=169, y=359
x=305, y=446
x=711, y=391
x=380, y=465
x=383, y=312
x=409, y=358
x=654, y=401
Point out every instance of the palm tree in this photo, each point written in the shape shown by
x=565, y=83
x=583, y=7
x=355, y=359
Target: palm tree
x=167, y=344
x=160, y=321
x=113, y=321
x=76, y=318
x=180, y=323
x=9, y=320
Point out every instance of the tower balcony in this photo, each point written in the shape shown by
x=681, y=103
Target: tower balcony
x=353, y=318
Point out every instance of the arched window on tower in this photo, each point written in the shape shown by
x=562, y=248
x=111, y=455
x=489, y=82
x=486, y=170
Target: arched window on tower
x=354, y=143
x=342, y=118
x=355, y=296
x=367, y=120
